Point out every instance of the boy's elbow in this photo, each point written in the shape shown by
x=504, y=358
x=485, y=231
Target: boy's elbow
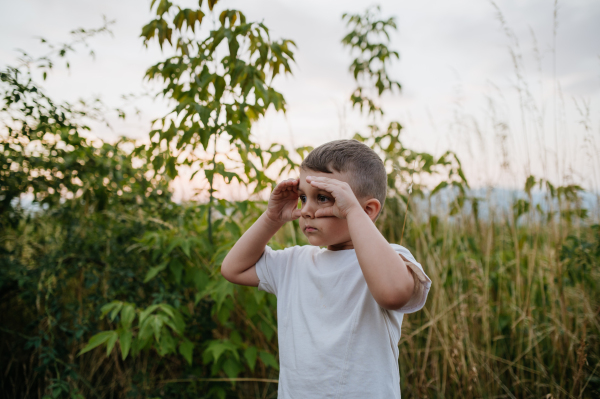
x=396, y=299
x=224, y=273
x=226, y=270
x=393, y=303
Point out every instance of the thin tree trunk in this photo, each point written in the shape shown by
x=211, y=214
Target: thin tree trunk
x=210, y=190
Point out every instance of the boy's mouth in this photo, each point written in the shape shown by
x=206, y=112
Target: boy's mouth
x=309, y=229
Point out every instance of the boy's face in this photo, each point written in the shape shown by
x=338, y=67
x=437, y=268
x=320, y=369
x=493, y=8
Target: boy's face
x=322, y=231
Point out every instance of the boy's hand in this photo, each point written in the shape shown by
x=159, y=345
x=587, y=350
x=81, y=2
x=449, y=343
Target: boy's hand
x=283, y=203
x=345, y=200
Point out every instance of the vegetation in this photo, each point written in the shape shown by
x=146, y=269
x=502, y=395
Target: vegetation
x=110, y=289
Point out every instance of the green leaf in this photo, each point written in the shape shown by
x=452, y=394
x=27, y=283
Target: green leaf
x=234, y=229
x=144, y=313
x=204, y=113
x=96, y=341
x=211, y=4
x=125, y=341
x=174, y=319
x=268, y=359
x=198, y=277
x=266, y=329
x=157, y=324
x=199, y=16
x=127, y=315
x=250, y=354
x=177, y=269
x=111, y=342
x=219, y=87
x=520, y=207
x=186, y=349
x=168, y=309
x=217, y=348
x=154, y=271
x=173, y=244
x=251, y=307
x=529, y=183
x=205, y=135
x=222, y=290
x=170, y=167
x=145, y=330
x=232, y=368
x=439, y=187
x=179, y=18
x=108, y=307
x=235, y=338
x=185, y=247
x=167, y=343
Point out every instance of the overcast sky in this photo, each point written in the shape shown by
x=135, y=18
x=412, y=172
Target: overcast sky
x=454, y=62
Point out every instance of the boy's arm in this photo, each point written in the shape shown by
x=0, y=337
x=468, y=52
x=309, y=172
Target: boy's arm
x=388, y=277
x=239, y=266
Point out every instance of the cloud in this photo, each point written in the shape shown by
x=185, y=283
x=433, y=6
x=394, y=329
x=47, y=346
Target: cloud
x=449, y=54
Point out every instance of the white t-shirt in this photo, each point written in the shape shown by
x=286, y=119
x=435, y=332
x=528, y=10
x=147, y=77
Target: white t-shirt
x=335, y=341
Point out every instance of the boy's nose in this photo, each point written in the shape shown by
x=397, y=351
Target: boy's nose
x=308, y=211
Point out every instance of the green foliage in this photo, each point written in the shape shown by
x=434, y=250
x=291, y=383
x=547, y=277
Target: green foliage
x=407, y=169
x=563, y=202
x=44, y=154
x=112, y=290
x=102, y=229
x=370, y=67
x=220, y=85
x=580, y=258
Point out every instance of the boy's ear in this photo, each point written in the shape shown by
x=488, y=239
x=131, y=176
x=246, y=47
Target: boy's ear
x=372, y=206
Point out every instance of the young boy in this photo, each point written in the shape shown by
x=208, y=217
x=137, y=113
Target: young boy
x=339, y=308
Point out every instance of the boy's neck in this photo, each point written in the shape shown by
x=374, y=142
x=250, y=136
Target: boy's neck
x=341, y=246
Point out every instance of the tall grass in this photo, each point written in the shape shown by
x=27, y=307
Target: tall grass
x=514, y=307
x=513, y=311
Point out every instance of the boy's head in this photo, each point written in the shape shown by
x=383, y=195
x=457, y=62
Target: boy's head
x=356, y=160
x=344, y=160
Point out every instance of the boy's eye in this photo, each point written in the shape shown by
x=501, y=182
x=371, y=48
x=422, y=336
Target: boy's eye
x=302, y=198
x=322, y=198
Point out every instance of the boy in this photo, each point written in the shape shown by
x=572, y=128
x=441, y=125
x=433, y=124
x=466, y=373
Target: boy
x=339, y=309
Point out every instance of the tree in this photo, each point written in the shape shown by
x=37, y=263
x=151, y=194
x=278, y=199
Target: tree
x=369, y=39
x=220, y=85
x=61, y=255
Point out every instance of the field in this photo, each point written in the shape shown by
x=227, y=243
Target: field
x=513, y=311
x=109, y=289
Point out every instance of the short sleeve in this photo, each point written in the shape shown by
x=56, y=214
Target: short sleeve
x=422, y=281
x=271, y=268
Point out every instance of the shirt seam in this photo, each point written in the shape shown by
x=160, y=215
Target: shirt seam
x=391, y=335
x=266, y=272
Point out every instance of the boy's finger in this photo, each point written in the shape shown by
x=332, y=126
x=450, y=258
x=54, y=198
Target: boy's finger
x=324, y=182
x=323, y=179
x=324, y=212
x=290, y=182
x=286, y=183
x=291, y=185
x=325, y=186
x=296, y=214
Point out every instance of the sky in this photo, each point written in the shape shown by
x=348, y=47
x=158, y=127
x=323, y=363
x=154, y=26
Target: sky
x=461, y=88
